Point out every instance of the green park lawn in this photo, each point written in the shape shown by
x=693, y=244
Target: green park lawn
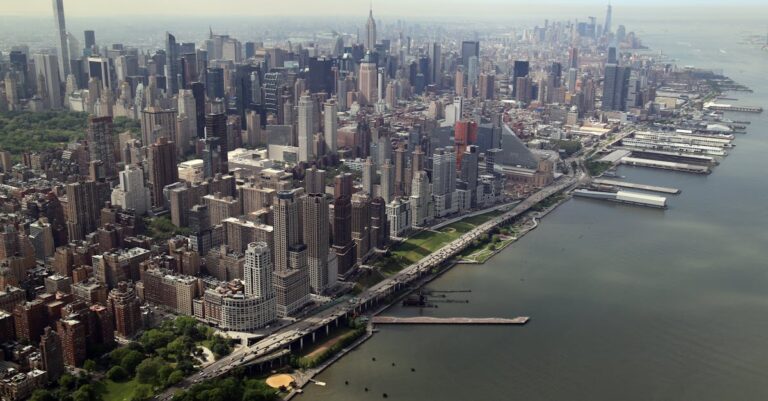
x=122, y=391
x=425, y=242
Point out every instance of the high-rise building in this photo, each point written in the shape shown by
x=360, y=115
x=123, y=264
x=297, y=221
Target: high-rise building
x=469, y=48
x=90, y=41
x=132, y=193
x=379, y=224
x=342, y=223
x=82, y=209
x=400, y=167
x=124, y=302
x=314, y=181
x=444, y=181
x=156, y=123
x=61, y=31
x=52, y=354
x=30, y=320
x=369, y=173
x=367, y=82
x=306, y=128
x=607, y=24
x=216, y=127
x=101, y=143
x=361, y=225
x=486, y=87
x=370, y=32
x=470, y=170
x=615, y=87
x=316, y=230
x=435, y=64
x=258, y=271
x=162, y=169
x=73, y=341
x=331, y=125
x=171, y=63
x=287, y=234
x=387, y=185
x=48, y=80
x=420, y=199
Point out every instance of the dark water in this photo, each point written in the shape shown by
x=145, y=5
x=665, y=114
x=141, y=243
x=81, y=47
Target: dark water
x=626, y=303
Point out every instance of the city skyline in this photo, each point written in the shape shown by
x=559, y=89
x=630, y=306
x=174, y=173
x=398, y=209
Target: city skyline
x=390, y=9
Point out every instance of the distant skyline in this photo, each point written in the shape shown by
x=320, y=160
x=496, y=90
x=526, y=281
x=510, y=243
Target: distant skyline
x=388, y=8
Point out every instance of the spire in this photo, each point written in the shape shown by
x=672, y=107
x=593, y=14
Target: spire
x=210, y=32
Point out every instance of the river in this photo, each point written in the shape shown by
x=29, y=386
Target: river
x=627, y=303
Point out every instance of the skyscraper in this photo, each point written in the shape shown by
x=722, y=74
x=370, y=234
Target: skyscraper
x=367, y=84
x=162, y=169
x=331, y=125
x=90, y=41
x=258, y=270
x=607, y=24
x=370, y=32
x=387, y=185
x=287, y=234
x=82, y=209
x=61, y=31
x=132, y=193
x=125, y=305
x=435, y=64
x=49, y=80
x=101, y=144
x=306, y=127
x=171, y=63
x=316, y=223
x=361, y=225
x=342, y=223
x=615, y=87
x=469, y=48
x=52, y=355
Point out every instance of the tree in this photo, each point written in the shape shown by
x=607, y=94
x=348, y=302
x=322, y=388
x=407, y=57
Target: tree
x=175, y=377
x=42, y=395
x=131, y=360
x=117, y=373
x=86, y=392
x=89, y=365
x=147, y=371
x=142, y=393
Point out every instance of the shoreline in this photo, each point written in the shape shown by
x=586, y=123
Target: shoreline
x=306, y=377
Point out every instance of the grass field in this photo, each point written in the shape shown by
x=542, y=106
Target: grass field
x=115, y=391
x=425, y=242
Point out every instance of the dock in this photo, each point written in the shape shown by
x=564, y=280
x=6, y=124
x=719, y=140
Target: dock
x=684, y=167
x=449, y=320
x=730, y=107
x=623, y=184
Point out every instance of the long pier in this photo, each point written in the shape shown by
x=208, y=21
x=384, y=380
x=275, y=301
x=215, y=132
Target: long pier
x=449, y=320
x=623, y=184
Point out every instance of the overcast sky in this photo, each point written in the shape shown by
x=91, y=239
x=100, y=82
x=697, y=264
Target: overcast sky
x=387, y=8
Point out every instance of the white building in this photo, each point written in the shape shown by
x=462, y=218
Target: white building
x=132, y=193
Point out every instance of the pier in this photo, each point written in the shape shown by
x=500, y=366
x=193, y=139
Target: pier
x=730, y=107
x=449, y=320
x=623, y=184
x=684, y=167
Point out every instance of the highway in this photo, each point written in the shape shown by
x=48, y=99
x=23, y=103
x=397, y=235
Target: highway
x=276, y=343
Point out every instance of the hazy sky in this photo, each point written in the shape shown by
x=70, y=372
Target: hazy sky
x=388, y=8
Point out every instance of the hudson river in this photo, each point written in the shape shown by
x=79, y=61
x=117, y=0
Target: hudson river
x=627, y=303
